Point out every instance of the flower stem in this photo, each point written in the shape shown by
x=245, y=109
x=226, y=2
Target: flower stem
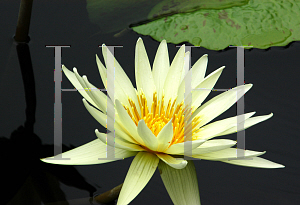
x=108, y=196
x=22, y=29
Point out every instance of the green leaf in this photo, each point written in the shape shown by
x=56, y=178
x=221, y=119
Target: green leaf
x=167, y=7
x=260, y=23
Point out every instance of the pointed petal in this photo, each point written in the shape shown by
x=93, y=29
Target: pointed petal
x=165, y=136
x=213, y=129
x=89, y=153
x=202, y=90
x=226, y=154
x=73, y=79
x=143, y=74
x=186, y=67
x=174, y=76
x=179, y=147
x=102, y=118
x=140, y=172
x=117, y=142
x=161, y=67
x=198, y=96
x=176, y=163
x=198, y=70
x=213, y=146
x=255, y=162
x=96, y=95
x=219, y=104
x=127, y=122
x=123, y=85
x=147, y=136
x=102, y=71
x=248, y=123
x=181, y=184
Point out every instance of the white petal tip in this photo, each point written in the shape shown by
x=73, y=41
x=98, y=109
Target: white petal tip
x=75, y=69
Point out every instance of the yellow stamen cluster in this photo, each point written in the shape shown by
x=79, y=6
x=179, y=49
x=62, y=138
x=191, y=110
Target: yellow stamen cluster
x=158, y=117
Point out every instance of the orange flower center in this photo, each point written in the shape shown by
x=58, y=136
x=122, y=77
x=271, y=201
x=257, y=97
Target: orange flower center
x=159, y=116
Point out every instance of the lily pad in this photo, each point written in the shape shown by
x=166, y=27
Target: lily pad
x=115, y=15
x=260, y=23
x=167, y=7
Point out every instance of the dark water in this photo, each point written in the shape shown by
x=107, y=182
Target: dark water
x=274, y=73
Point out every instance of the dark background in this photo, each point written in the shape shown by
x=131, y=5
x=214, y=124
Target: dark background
x=274, y=73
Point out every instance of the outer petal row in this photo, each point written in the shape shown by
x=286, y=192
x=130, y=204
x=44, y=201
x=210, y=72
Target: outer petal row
x=248, y=123
x=102, y=119
x=181, y=184
x=213, y=129
x=257, y=162
x=220, y=104
x=226, y=154
x=117, y=142
x=140, y=172
x=82, y=88
x=88, y=153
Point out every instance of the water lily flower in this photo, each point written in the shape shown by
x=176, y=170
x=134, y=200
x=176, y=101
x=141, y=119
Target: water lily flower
x=152, y=122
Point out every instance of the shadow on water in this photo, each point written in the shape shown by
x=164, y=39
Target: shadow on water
x=26, y=179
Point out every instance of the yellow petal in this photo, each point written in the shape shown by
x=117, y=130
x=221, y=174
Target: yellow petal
x=214, y=129
x=198, y=70
x=174, y=76
x=213, y=146
x=147, y=136
x=117, y=142
x=179, y=147
x=140, y=172
x=73, y=79
x=219, y=104
x=176, y=163
x=248, y=123
x=202, y=89
x=88, y=153
x=143, y=74
x=161, y=67
x=96, y=95
x=123, y=86
x=165, y=136
x=102, y=119
x=127, y=122
x=255, y=162
x=181, y=184
x=226, y=154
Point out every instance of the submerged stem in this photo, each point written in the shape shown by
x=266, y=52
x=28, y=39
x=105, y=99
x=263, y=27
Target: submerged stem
x=108, y=196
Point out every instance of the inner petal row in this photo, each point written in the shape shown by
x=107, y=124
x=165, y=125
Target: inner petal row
x=159, y=115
